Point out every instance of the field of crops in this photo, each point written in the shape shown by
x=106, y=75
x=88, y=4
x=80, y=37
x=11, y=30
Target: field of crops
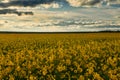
x=80, y=56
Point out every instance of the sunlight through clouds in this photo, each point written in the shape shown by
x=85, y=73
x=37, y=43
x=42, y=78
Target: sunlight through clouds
x=63, y=15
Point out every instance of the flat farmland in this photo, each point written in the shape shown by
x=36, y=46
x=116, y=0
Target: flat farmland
x=60, y=56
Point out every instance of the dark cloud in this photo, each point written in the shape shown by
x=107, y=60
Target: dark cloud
x=14, y=11
x=65, y=3
x=25, y=3
x=92, y=2
x=32, y=3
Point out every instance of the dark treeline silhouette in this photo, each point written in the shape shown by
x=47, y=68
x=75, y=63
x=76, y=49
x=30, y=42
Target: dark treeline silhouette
x=17, y=32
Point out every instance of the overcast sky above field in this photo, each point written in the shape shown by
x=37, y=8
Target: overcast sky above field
x=59, y=15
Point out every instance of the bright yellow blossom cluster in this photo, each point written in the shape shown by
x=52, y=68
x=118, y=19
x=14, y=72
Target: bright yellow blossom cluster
x=86, y=56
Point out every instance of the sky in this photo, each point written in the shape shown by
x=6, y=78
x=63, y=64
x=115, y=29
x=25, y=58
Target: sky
x=59, y=15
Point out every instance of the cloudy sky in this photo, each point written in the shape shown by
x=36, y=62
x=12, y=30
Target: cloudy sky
x=59, y=15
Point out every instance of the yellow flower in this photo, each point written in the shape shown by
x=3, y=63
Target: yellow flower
x=44, y=72
x=97, y=76
x=11, y=77
x=90, y=70
x=18, y=68
x=32, y=77
x=68, y=61
x=81, y=77
x=61, y=68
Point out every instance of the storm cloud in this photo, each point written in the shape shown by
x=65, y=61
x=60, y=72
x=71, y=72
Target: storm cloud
x=73, y=3
x=25, y=3
x=14, y=11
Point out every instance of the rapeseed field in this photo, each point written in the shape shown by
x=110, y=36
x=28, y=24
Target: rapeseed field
x=80, y=56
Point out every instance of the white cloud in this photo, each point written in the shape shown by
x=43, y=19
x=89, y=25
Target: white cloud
x=75, y=3
x=88, y=3
x=52, y=5
x=5, y=1
x=88, y=19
